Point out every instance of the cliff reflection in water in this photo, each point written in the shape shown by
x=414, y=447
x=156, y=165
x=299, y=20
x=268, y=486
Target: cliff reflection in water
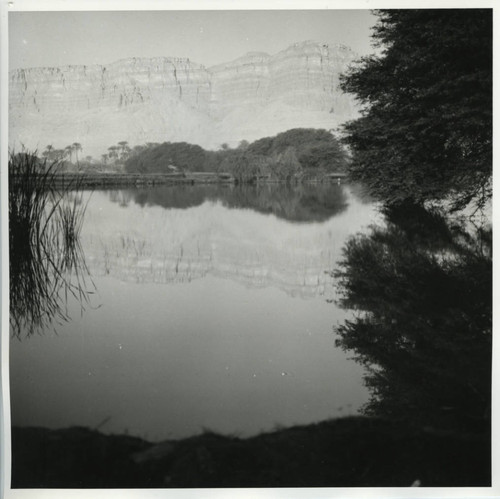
x=423, y=289
x=198, y=324
x=242, y=233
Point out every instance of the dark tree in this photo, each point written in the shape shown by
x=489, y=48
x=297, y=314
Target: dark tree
x=262, y=146
x=426, y=127
x=422, y=288
x=157, y=158
x=316, y=149
x=328, y=155
x=281, y=157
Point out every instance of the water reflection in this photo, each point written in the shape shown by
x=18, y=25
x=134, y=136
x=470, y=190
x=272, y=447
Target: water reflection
x=298, y=203
x=176, y=235
x=422, y=287
x=202, y=324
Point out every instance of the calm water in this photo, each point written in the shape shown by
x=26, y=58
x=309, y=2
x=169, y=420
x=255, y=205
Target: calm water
x=211, y=311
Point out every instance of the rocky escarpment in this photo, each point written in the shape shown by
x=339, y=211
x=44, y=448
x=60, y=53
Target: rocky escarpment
x=171, y=99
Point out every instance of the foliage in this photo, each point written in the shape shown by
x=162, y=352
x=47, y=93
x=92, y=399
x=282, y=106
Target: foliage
x=262, y=146
x=46, y=262
x=286, y=165
x=158, y=158
x=245, y=166
x=426, y=128
x=422, y=287
x=282, y=157
x=327, y=156
x=315, y=148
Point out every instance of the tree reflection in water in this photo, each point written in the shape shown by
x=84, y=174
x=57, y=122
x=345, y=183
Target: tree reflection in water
x=295, y=203
x=422, y=291
x=46, y=261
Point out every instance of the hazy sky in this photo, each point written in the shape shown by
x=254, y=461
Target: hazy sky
x=206, y=37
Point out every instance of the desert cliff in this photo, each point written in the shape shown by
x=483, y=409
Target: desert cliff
x=173, y=99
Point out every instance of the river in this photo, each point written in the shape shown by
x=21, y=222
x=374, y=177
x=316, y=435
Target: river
x=213, y=308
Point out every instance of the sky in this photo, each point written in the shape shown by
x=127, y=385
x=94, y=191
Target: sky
x=210, y=37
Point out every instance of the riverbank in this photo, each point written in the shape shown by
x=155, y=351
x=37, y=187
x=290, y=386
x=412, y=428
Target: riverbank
x=346, y=452
x=110, y=180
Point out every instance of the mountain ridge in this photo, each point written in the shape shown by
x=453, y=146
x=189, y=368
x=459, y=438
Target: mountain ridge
x=175, y=99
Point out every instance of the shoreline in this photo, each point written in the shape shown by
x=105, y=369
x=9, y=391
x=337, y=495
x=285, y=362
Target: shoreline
x=86, y=180
x=354, y=451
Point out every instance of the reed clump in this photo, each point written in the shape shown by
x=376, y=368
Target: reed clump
x=46, y=261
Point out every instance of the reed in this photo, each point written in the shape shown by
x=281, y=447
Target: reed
x=46, y=261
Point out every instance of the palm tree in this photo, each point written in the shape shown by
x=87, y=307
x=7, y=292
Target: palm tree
x=48, y=152
x=68, y=151
x=123, y=144
x=113, y=152
x=124, y=150
x=76, y=147
x=58, y=154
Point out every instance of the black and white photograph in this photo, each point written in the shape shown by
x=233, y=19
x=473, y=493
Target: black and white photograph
x=247, y=247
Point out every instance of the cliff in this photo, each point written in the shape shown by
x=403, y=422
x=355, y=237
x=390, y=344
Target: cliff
x=171, y=99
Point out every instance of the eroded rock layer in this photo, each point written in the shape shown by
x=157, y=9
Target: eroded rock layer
x=170, y=99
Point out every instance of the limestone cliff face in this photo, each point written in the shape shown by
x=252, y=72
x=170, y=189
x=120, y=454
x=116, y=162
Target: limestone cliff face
x=171, y=99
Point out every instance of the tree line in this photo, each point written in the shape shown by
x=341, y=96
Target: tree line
x=68, y=157
x=291, y=154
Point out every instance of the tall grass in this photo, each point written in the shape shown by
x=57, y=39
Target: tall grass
x=47, y=264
